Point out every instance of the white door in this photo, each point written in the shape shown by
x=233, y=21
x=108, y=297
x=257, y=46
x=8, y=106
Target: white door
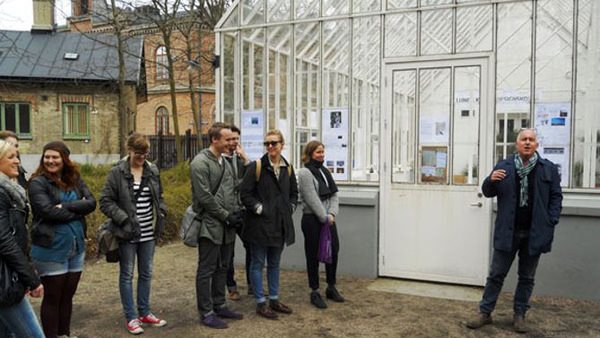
x=436, y=151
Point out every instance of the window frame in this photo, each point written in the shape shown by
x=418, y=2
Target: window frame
x=17, y=117
x=78, y=135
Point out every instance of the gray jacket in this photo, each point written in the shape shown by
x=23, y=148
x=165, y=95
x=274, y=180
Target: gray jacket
x=213, y=210
x=311, y=203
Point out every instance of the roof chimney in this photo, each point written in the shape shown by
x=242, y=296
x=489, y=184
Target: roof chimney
x=43, y=16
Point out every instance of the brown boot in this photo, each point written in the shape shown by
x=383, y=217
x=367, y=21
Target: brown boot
x=263, y=310
x=481, y=320
x=519, y=324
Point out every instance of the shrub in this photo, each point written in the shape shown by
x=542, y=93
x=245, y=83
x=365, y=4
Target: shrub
x=176, y=193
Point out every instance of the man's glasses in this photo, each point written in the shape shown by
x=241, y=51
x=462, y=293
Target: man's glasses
x=141, y=153
x=271, y=143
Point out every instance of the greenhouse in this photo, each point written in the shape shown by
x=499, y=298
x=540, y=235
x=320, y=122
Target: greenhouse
x=416, y=100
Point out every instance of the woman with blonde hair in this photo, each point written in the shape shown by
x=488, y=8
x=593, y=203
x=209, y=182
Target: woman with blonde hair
x=320, y=207
x=16, y=314
x=60, y=200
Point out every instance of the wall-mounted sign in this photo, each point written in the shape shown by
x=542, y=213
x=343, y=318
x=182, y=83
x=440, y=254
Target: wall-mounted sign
x=252, y=127
x=335, y=138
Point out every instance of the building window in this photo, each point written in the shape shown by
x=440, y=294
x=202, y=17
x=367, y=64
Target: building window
x=16, y=117
x=162, y=121
x=83, y=7
x=162, y=73
x=76, y=120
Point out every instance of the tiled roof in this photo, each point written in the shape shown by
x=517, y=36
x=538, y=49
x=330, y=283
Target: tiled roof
x=41, y=56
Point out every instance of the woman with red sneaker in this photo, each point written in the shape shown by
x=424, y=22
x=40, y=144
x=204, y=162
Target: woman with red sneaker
x=132, y=199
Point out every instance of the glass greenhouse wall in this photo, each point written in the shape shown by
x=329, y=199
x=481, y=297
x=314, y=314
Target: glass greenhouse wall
x=287, y=63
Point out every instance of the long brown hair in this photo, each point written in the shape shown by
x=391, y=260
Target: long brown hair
x=69, y=174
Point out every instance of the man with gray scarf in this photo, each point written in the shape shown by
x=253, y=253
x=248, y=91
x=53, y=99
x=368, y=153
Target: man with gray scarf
x=529, y=203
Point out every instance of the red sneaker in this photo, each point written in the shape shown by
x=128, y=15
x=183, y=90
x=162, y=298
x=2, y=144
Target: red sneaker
x=134, y=326
x=153, y=320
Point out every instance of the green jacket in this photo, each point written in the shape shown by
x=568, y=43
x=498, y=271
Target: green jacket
x=212, y=210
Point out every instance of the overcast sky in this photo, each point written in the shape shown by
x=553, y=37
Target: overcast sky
x=18, y=14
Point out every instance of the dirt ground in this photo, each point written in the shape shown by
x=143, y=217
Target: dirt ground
x=98, y=313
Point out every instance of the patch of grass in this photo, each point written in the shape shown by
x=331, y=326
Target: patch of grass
x=177, y=193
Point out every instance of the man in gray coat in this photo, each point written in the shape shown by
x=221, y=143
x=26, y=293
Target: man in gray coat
x=215, y=204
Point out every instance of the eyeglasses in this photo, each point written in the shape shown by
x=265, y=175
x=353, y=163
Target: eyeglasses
x=141, y=153
x=271, y=143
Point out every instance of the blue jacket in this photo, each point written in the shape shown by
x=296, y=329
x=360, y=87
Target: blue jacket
x=547, y=204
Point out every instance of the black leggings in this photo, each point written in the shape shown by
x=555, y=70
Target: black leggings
x=311, y=228
x=57, y=304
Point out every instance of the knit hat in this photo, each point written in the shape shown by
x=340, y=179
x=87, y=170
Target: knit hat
x=57, y=146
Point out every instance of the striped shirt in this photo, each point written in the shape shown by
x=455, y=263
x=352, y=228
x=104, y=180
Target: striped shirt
x=143, y=210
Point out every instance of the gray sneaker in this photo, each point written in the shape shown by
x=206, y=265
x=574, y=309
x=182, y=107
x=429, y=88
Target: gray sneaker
x=481, y=320
x=519, y=324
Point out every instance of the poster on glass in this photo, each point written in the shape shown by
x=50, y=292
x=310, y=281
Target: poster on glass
x=335, y=139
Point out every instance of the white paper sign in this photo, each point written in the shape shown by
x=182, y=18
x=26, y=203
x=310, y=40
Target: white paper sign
x=335, y=139
x=433, y=130
x=252, y=134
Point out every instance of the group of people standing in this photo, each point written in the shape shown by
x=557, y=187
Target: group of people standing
x=231, y=195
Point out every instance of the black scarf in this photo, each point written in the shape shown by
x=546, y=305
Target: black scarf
x=326, y=189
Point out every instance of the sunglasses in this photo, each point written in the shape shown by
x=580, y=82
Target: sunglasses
x=271, y=143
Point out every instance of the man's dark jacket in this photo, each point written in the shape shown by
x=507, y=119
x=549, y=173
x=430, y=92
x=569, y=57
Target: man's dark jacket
x=547, y=204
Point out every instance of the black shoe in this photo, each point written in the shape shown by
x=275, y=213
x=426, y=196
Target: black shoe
x=316, y=300
x=333, y=294
x=482, y=319
x=520, y=325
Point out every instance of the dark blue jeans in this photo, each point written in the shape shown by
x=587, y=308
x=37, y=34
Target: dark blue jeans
x=501, y=263
x=272, y=254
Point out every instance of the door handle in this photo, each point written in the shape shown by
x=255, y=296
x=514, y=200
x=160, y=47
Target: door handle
x=476, y=204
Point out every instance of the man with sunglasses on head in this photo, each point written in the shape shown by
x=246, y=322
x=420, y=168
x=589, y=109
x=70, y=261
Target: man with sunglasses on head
x=217, y=210
x=270, y=193
x=529, y=203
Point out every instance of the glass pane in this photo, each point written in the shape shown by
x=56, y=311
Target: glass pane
x=403, y=119
x=253, y=12
x=24, y=119
x=307, y=9
x=553, y=76
x=233, y=19
x=83, y=123
x=335, y=7
x=278, y=10
x=229, y=87
x=435, y=2
x=436, y=32
x=586, y=169
x=474, y=29
x=365, y=98
x=307, y=51
x=10, y=112
x=465, y=150
x=279, y=77
x=336, y=63
x=253, y=65
x=366, y=6
x=394, y=4
x=513, y=73
x=434, y=106
x=400, y=34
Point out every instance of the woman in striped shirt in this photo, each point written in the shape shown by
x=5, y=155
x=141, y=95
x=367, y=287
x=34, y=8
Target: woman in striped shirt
x=132, y=199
